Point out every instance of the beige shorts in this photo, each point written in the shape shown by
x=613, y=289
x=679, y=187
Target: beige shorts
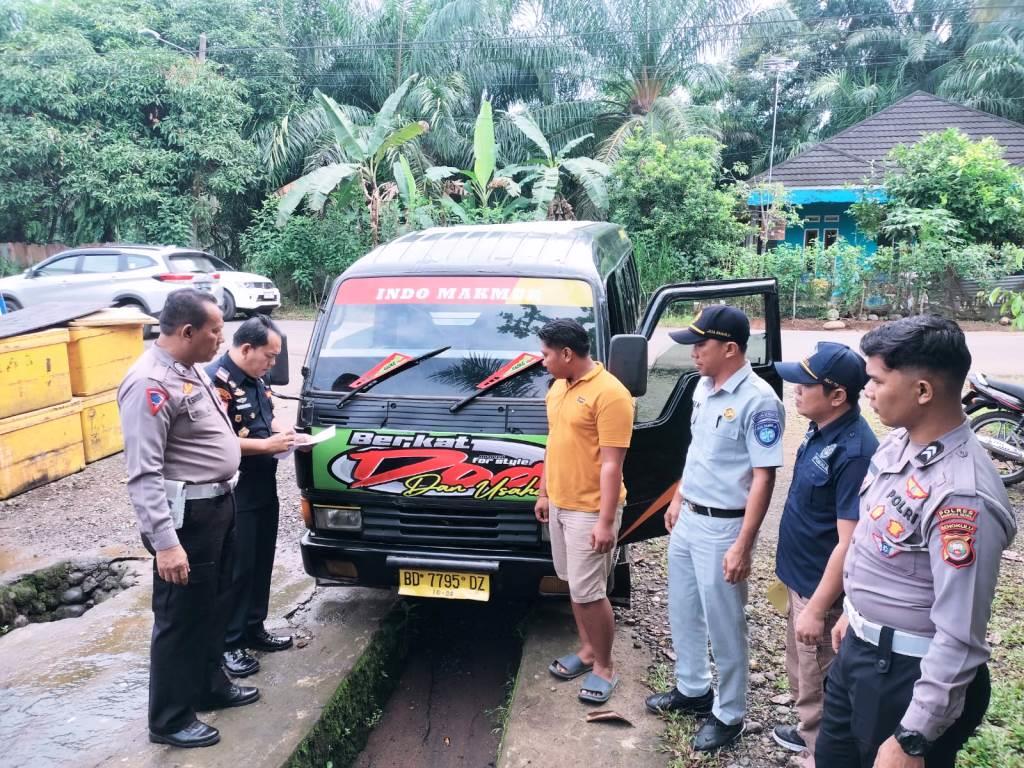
x=586, y=571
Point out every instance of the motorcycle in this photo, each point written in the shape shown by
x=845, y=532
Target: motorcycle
x=996, y=409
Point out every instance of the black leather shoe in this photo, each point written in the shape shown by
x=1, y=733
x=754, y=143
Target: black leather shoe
x=715, y=734
x=788, y=737
x=264, y=641
x=234, y=696
x=239, y=663
x=674, y=701
x=195, y=734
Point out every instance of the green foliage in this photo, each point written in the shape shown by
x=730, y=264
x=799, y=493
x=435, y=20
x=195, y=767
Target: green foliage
x=969, y=180
x=305, y=255
x=104, y=136
x=1011, y=302
x=669, y=200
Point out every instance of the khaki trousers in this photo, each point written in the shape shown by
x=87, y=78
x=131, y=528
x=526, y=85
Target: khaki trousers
x=807, y=666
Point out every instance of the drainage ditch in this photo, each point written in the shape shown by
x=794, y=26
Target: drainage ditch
x=431, y=691
x=62, y=591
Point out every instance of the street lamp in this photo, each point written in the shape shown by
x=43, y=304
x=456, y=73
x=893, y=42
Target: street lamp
x=200, y=55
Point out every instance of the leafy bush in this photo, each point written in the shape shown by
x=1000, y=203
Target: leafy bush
x=305, y=255
x=669, y=201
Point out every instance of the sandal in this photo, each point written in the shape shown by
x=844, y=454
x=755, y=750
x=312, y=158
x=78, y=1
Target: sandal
x=597, y=690
x=572, y=665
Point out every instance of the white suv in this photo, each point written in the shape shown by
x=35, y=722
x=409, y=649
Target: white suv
x=120, y=275
x=246, y=292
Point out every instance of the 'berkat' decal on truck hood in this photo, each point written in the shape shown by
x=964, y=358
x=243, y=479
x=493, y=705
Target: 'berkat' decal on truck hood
x=415, y=464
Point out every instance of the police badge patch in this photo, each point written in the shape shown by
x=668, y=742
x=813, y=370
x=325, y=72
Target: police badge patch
x=767, y=428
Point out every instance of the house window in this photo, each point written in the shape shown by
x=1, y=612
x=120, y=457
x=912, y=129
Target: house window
x=812, y=219
x=834, y=219
x=831, y=235
x=810, y=238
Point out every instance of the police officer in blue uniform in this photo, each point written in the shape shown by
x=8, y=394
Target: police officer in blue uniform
x=817, y=523
x=237, y=376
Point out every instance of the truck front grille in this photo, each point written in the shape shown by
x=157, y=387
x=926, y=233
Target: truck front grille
x=485, y=526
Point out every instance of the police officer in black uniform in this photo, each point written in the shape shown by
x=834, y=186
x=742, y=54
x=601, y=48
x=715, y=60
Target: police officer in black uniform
x=237, y=376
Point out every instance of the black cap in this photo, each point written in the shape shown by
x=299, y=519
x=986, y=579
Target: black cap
x=832, y=363
x=720, y=322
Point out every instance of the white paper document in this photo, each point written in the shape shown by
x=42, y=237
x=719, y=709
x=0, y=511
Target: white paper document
x=308, y=440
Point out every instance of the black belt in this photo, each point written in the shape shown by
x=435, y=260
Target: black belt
x=713, y=512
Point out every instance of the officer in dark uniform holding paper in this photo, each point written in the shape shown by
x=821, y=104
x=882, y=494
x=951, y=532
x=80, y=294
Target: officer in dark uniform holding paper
x=182, y=458
x=237, y=378
x=910, y=683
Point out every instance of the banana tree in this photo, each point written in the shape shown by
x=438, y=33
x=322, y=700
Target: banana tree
x=483, y=181
x=362, y=149
x=546, y=174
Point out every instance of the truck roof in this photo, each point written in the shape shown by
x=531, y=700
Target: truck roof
x=544, y=248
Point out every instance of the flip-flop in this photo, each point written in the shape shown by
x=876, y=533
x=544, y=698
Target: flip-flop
x=573, y=666
x=597, y=690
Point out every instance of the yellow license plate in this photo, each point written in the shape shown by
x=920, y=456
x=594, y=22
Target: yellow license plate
x=445, y=584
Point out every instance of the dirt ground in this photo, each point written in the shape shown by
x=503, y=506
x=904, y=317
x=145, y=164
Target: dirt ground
x=999, y=743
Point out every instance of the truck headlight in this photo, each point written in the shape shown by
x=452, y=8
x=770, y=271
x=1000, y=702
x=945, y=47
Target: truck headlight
x=338, y=518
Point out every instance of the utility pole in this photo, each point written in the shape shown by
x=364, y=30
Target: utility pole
x=775, y=64
x=202, y=57
x=199, y=55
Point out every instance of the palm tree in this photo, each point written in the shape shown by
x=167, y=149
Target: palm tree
x=641, y=57
x=360, y=151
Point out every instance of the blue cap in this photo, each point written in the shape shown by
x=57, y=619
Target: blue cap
x=720, y=322
x=832, y=363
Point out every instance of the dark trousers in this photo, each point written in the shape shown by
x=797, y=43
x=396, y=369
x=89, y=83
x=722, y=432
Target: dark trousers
x=188, y=620
x=255, y=546
x=867, y=692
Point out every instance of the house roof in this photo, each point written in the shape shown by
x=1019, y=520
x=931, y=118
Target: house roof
x=856, y=154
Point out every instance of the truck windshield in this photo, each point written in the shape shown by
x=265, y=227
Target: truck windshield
x=487, y=322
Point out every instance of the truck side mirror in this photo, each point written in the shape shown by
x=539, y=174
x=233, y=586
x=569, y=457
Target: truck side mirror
x=627, y=361
x=278, y=375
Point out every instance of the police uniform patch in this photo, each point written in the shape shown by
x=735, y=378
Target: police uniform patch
x=156, y=397
x=914, y=489
x=885, y=549
x=729, y=414
x=958, y=551
x=581, y=400
x=930, y=452
x=767, y=428
x=828, y=450
x=180, y=369
x=238, y=417
x=894, y=528
x=186, y=388
x=243, y=432
x=239, y=392
x=224, y=395
x=962, y=513
x=877, y=512
x=222, y=374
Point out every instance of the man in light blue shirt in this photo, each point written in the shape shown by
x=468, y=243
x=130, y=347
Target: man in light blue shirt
x=736, y=427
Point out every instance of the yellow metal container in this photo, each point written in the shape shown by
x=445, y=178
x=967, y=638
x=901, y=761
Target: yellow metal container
x=34, y=372
x=100, y=357
x=101, y=426
x=39, y=447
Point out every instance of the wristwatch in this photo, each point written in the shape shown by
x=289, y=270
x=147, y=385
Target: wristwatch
x=912, y=742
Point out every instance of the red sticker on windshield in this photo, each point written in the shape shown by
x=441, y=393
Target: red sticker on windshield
x=388, y=364
x=511, y=368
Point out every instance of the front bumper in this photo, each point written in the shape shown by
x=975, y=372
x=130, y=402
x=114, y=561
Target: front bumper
x=514, y=574
x=258, y=299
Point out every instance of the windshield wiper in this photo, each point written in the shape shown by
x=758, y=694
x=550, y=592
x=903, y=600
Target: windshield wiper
x=385, y=369
x=510, y=370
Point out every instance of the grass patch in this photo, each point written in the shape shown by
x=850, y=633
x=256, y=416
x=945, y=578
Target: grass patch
x=296, y=312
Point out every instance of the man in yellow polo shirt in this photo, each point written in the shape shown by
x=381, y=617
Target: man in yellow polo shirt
x=590, y=422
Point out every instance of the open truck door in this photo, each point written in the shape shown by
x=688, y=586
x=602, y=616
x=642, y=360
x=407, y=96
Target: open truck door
x=661, y=432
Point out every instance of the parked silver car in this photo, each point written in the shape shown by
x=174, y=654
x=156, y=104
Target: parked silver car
x=119, y=275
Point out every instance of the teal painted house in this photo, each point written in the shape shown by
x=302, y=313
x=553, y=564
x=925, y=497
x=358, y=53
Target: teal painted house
x=827, y=178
